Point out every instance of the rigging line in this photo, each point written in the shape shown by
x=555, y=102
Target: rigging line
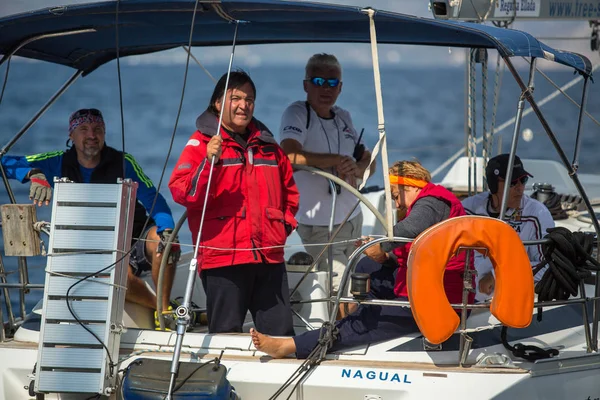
x=212, y=161
x=487, y=13
x=5, y=79
x=509, y=122
x=164, y=168
x=497, y=84
x=566, y=95
x=484, y=111
x=183, y=317
x=189, y=51
x=119, y=84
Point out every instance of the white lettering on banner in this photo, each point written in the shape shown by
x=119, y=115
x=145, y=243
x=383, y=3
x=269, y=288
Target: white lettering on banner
x=383, y=376
x=519, y=8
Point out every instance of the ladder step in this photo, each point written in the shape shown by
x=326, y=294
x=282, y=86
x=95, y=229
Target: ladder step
x=69, y=382
x=83, y=240
x=88, y=193
x=71, y=357
x=73, y=333
x=80, y=263
x=91, y=216
x=92, y=287
x=86, y=310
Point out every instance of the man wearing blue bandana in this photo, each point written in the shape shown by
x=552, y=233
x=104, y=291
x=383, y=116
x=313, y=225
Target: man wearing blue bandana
x=89, y=160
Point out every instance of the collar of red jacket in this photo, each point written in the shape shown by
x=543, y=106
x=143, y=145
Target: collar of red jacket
x=207, y=124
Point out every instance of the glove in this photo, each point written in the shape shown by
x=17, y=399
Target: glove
x=40, y=190
x=288, y=228
x=175, y=252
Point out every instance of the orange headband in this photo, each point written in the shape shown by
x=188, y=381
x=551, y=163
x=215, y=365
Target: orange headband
x=400, y=180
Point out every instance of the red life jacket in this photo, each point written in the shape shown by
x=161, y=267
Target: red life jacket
x=453, y=277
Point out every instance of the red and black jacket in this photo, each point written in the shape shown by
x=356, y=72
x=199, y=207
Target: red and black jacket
x=453, y=276
x=252, y=196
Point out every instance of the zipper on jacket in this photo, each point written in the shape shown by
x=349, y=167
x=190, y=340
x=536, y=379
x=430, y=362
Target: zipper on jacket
x=254, y=251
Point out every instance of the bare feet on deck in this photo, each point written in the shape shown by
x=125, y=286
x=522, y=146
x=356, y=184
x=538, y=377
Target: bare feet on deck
x=275, y=347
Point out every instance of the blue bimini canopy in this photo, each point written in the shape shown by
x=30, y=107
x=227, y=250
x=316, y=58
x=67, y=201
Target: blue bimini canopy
x=84, y=36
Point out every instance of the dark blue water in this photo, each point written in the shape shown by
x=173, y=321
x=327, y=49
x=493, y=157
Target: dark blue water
x=424, y=115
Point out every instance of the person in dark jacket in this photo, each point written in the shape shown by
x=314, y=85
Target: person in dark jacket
x=250, y=210
x=90, y=160
x=426, y=204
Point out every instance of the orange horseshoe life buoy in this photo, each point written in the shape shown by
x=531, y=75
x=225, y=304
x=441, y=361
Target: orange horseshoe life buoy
x=512, y=303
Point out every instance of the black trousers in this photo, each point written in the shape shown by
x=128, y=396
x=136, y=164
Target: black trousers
x=369, y=323
x=261, y=289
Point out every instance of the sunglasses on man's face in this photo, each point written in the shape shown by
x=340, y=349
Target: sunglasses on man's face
x=522, y=179
x=318, y=81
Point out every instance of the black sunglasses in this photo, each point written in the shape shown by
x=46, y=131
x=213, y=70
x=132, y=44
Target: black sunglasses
x=318, y=81
x=523, y=180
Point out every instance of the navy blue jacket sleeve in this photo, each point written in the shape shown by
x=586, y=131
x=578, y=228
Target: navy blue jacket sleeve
x=146, y=193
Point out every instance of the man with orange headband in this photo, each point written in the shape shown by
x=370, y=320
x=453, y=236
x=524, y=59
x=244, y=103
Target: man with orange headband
x=426, y=204
x=529, y=218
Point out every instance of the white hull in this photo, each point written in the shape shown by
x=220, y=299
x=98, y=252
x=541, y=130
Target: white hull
x=397, y=369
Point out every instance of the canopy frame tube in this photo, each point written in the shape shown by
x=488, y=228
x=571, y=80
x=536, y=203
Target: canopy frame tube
x=575, y=178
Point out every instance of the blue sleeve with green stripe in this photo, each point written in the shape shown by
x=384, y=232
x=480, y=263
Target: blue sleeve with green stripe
x=17, y=167
x=146, y=193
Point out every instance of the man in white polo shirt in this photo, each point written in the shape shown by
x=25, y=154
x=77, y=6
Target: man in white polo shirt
x=320, y=134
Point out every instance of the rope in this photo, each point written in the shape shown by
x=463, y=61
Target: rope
x=497, y=83
x=570, y=261
x=471, y=144
x=485, y=134
x=569, y=256
x=188, y=50
x=554, y=204
x=527, y=352
x=328, y=335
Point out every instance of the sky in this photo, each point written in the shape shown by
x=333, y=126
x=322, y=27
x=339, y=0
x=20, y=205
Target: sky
x=350, y=54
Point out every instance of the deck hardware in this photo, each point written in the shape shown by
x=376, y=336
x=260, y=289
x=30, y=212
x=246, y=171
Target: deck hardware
x=428, y=346
x=20, y=237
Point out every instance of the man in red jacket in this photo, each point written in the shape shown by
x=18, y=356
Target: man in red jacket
x=250, y=209
x=426, y=204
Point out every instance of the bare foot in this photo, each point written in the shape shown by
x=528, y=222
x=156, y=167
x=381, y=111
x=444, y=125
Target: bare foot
x=275, y=347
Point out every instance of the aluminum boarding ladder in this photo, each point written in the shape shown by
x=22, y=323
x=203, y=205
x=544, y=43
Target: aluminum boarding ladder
x=90, y=231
